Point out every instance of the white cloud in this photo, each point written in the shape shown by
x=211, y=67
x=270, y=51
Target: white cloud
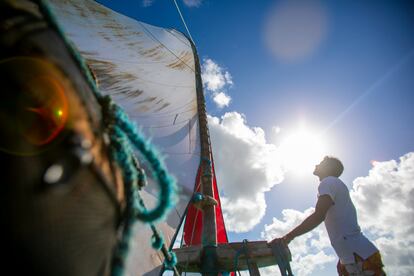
x=213, y=76
x=221, y=99
x=216, y=81
x=228, y=78
x=192, y=3
x=246, y=167
x=242, y=214
x=385, y=203
x=385, y=206
x=309, y=252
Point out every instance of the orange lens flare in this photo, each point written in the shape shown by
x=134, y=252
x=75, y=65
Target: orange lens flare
x=47, y=116
x=34, y=107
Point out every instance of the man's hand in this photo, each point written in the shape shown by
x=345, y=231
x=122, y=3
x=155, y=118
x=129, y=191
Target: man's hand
x=286, y=239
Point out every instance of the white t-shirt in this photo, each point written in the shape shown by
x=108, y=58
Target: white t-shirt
x=342, y=224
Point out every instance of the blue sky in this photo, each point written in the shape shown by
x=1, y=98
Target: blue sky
x=355, y=81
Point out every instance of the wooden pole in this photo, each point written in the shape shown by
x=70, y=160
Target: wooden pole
x=209, y=234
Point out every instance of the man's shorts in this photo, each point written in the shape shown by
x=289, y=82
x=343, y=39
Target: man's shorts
x=372, y=266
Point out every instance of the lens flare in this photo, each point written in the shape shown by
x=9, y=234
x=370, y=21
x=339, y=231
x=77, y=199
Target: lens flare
x=34, y=106
x=45, y=112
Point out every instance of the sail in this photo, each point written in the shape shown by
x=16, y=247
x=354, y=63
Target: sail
x=150, y=72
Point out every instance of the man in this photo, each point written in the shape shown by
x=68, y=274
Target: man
x=357, y=255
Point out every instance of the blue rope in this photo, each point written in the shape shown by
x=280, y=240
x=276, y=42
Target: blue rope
x=236, y=258
x=157, y=241
x=123, y=135
x=239, y=252
x=197, y=197
x=170, y=262
x=126, y=131
x=283, y=257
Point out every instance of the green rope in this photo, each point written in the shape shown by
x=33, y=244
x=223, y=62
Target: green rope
x=197, y=197
x=242, y=250
x=125, y=138
x=236, y=258
x=122, y=129
x=283, y=257
x=170, y=262
x=157, y=240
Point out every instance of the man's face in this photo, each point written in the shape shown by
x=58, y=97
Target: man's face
x=319, y=168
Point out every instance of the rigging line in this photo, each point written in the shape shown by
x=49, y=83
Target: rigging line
x=164, y=126
x=180, y=110
x=194, y=226
x=92, y=59
x=182, y=19
x=174, y=238
x=169, y=112
x=153, y=82
x=162, y=44
x=167, y=117
x=197, y=210
x=396, y=67
x=179, y=36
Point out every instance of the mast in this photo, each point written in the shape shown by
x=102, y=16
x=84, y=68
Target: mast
x=210, y=258
x=209, y=233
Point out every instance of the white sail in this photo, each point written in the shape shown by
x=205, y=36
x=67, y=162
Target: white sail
x=150, y=72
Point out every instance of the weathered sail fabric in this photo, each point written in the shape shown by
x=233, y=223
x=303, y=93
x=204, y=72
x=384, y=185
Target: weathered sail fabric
x=150, y=72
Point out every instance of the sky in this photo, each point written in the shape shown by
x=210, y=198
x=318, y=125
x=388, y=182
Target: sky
x=287, y=82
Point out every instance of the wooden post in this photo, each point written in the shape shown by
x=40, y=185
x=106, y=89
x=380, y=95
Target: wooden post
x=252, y=265
x=209, y=234
x=254, y=270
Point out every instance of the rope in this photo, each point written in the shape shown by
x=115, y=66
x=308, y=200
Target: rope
x=283, y=257
x=236, y=258
x=239, y=252
x=182, y=19
x=125, y=138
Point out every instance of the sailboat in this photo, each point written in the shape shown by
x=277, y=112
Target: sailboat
x=153, y=73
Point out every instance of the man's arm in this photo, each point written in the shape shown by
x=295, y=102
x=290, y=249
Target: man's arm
x=322, y=206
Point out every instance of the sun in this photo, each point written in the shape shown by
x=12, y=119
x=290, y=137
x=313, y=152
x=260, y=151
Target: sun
x=301, y=151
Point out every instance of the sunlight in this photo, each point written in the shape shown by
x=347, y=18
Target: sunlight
x=301, y=151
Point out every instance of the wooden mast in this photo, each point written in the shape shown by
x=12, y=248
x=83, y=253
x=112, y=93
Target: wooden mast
x=209, y=233
x=210, y=258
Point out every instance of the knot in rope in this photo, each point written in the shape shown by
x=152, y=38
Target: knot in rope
x=197, y=197
x=171, y=261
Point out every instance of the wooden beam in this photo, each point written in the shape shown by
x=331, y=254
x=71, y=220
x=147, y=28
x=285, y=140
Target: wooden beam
x=230, y=257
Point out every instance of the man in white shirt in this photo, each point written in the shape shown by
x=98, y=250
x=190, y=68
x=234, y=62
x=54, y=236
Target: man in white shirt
x=357, y=255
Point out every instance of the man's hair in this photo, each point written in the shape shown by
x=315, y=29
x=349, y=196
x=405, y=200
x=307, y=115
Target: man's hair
x=334, y=166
